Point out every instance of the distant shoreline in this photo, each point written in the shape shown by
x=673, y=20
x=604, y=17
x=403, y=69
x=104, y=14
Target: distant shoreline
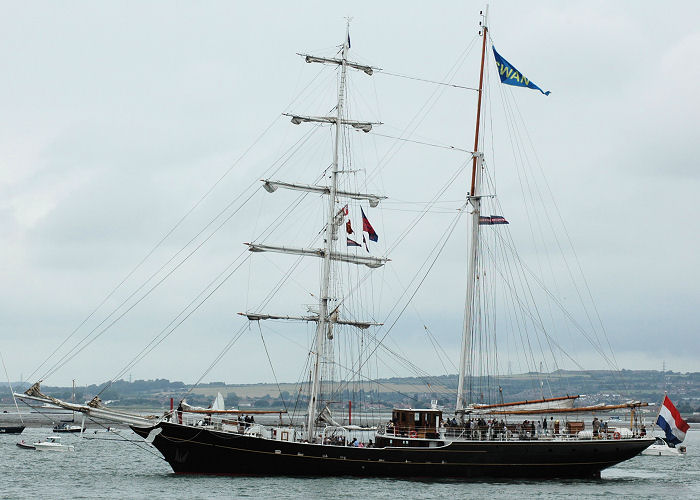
x=33, y=419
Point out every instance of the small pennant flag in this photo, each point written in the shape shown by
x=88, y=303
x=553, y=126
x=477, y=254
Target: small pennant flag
x=365, y=242
x=345, y=210
x=367, y=227
x=353, y=243
x=348, y=227
x=489, y=220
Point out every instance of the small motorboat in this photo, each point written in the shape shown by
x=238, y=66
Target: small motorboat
x=66, y=427
x=662, y=447
x=26, y=446
x=52, y=443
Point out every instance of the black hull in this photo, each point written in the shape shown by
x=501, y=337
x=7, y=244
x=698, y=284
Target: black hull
x=192, y=450
x=15, y=429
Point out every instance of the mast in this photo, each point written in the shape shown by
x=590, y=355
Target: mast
x=475, y=200
x=323, y=330
x=11, y=389
x=325, y=317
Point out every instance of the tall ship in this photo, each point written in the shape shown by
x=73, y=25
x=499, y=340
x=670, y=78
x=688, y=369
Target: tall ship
x=474, y=433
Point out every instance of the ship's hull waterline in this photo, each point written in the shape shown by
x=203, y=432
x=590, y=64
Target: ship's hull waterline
x=196, y=450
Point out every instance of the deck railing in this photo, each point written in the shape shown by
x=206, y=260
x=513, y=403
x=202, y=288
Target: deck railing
x=509, y=432
x=497, y=432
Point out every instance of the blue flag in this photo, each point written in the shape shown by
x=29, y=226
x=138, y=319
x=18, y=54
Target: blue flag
x=511, y=76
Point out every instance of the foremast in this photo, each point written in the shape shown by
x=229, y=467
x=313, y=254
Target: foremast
x=323, y=331
x=475, y=201
x=326, y=317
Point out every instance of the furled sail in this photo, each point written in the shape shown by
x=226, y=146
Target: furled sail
x=564, y=404
x=325, y=416
x=217, y=405
x=368, y=261
x=537, y=405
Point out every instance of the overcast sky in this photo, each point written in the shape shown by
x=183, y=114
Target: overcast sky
x=117, y=117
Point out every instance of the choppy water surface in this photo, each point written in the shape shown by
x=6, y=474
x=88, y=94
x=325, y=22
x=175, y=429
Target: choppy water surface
x=122, y=469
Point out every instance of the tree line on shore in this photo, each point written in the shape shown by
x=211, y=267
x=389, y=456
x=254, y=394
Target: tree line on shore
x=597, y=386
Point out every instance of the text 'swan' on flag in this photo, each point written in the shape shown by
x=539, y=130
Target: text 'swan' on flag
x=511, y=76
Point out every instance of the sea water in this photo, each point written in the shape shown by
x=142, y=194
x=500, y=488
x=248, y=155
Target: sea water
x=111, y=465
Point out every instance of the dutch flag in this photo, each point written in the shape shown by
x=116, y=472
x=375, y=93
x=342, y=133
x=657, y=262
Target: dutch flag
x=671, y=422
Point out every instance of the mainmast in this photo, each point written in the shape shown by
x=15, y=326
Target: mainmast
x=475, y=201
